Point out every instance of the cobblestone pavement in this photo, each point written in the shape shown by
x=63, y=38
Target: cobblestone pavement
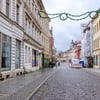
x=69, y=84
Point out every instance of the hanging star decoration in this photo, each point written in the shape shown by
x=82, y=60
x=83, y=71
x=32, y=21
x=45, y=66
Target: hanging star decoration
x=64, y=16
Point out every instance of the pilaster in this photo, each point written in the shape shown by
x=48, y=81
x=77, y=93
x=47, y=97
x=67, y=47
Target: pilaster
x=0, y=56
x=22, y=55
x=13, y=49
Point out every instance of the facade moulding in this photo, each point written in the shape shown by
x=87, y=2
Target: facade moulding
x=46, y=34
x=12, y=22
x=31, y=41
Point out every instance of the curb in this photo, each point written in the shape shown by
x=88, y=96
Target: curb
x=28, y=98
x=92, y=72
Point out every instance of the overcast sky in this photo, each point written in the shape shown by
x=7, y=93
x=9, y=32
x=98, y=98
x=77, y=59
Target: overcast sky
x=65, y=31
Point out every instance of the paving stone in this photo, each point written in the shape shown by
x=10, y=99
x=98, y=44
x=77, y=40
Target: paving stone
x=69, y=84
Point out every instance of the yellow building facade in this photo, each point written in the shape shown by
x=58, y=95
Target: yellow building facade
x=45, y=41
x=96, y=41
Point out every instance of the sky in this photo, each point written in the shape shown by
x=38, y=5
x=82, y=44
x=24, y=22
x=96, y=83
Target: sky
x=66, y=31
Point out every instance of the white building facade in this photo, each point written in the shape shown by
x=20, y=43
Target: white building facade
x=21, y=32
x=87, y=43
x=11, y=38
x=32, y=35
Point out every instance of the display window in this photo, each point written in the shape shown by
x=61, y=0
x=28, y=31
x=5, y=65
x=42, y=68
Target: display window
x=6, y=53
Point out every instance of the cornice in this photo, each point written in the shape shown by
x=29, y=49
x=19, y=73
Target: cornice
x=11, y=21
x=32, y=41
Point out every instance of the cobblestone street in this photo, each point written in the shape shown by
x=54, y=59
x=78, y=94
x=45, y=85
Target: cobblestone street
x=69, y=84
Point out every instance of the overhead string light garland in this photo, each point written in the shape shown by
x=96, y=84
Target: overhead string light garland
x=65, y=16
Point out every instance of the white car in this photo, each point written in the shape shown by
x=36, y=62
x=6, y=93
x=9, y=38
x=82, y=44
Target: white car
x=75, y=63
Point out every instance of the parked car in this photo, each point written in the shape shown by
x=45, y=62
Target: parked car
x=75, y=63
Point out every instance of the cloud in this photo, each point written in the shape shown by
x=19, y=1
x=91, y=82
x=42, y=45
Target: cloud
x=65, y=31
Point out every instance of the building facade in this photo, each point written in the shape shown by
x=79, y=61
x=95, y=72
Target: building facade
x=32, y=35
x=24, y=36
x=11, y=38
x=51, y=45
x=45, y=42
x=70, y=54
x=96, y=41
x=87, y=55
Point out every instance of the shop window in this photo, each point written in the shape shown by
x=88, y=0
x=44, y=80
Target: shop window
x=17, y=60
x=37, y=58
x=34, y=58
x=6, y=52
x=96, y=60
x=29, y=55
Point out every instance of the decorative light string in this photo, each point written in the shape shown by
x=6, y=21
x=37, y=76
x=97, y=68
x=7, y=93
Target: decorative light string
x=64, y=16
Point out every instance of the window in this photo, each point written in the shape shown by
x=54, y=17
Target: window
x=34, y=58
x=37, y=58
x=95, y=28
x=29, y=3
x=17, y=59
x=6, y=52
x=35, y=11
x=7, y=7
x=33, y=30
x=0, y=5
x=96, y=60
x=32, y=7
x=17, y=13
x=99, y=25
x=25, y=54
x=29, y=55
x=29, y=28
x=26, y=25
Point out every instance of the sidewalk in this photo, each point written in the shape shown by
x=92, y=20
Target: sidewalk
x=20, y=88
x=95, y=71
